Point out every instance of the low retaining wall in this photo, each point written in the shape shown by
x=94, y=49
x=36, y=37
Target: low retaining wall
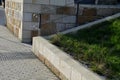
x=60, y=63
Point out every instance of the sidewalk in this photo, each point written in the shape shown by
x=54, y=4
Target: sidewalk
x=17, y=62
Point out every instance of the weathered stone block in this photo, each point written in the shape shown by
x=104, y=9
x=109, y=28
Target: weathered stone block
x=69, y=19
x=66, y=10
x=49, y=9
x=41, y=57
x=75, y=75
x=58, y=2
x=48, y=63
x=62, y=77
x=89, y=12
x=40, y=1
x=56, y=71
x=86, y=19
x=48, y=28
x=32, y=8
x=69, y=26
x=106, y=11
x=65, y=69
x=27, y=17
x=60, y=27
x=16, y=32
x=26, y=34
x=45, y=18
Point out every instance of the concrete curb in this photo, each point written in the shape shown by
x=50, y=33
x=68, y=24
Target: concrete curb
x=60, y=63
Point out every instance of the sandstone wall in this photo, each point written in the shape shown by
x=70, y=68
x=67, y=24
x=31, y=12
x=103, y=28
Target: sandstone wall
x=14, y=9
x=56, y=16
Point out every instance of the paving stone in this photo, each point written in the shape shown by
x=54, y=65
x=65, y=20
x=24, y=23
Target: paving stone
x=17, y=62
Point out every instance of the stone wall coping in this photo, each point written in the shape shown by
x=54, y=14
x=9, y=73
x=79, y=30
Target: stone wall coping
x=66, y=64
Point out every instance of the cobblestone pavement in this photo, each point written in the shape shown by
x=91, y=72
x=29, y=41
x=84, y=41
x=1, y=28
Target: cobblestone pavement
x=17, y=62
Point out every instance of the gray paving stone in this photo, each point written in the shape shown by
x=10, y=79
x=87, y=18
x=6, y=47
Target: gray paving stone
x=17, y=62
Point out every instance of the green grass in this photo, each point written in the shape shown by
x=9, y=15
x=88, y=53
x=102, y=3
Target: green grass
x=97, y=47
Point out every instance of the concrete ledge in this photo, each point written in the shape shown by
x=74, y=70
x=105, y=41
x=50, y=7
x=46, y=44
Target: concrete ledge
x=60, y=63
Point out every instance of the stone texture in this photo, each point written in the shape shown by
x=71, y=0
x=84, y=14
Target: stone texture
x=66, y=10
x=66, y=68
x=40, y=1
x=58, y=2
x=89, y=12
x=17, y=61
x=45, y=18
x=20, y=14
x=86, y=19
x=48, y=28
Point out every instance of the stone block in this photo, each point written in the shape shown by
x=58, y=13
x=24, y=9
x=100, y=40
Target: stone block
x=66, y=10
x=16, y=32
x=75, y=75
x=86, y=19
x=56, y=71
x=48, y=9
x=27, y=17
x=41, y=57
x=70, y=3
x=46, y=2
x=106, y=11
x=89, y=12
x=63, y=77
x=26, y=34
x=48, y=29
x=65, y=69
x=69, y=26
x=57, y=18
x=30, y=25
x=60, y=27
x=49, y=65
x=69, y=19
x=58, y=2
x=32, y=8
x=45, y=18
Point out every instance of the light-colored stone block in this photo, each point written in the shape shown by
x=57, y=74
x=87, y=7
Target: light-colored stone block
x=58, y=2
x=69, y=19
x=27, y=17
x=75, y=75
x=32, y=8
x=65, y=69
x=46, y=2
x=30, y=25
x=26, y=34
